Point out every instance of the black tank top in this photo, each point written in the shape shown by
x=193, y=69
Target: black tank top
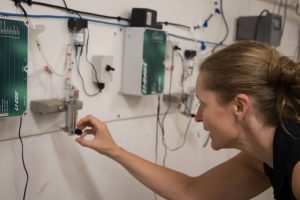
x=286, y=153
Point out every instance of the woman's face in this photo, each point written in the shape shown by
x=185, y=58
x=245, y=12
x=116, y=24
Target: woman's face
x=217, y=118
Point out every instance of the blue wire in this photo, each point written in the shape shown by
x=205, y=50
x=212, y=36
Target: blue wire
x=190, y=39
x=100, y=22
x=61, y=17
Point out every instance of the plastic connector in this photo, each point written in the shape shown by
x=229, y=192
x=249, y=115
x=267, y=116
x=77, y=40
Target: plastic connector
x=100, y=85
x=176, y=47
x=202, y=46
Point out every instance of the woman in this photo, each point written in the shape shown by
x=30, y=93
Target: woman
x=249, y=100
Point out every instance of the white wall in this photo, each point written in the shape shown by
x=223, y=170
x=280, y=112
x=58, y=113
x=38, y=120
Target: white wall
x=61, y=169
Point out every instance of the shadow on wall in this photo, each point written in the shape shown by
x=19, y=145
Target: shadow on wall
x=74, y=169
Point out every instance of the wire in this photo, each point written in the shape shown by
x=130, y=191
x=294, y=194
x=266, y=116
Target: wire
x=175, y=24
x=156, y=128
x=86, y=56
x=226, y=26
x=77, y=60
x=18, y=4
x=66, y=6
x=279, y=8
x=27, y=177
x=258, y=22
x=161, y=123
x=206, y=141
x=77, y=11
x=6, y=14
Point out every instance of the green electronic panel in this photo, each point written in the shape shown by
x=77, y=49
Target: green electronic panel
x=13, y=67
x=143, y=61
x=153, y=71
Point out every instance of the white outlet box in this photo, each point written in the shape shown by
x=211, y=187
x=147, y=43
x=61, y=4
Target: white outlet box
x=101, y=64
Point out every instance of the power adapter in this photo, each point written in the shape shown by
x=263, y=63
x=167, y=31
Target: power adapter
x=76, y=24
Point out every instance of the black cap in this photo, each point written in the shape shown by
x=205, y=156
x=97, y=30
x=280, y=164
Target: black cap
x=78, y=131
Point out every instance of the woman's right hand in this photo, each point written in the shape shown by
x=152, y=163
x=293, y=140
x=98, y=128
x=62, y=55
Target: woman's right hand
x=102, y=141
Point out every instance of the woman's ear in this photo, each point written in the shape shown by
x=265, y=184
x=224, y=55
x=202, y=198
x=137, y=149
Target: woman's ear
x=241, y=105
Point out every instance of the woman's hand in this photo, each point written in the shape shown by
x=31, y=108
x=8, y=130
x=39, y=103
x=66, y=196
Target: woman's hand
x=102, y=141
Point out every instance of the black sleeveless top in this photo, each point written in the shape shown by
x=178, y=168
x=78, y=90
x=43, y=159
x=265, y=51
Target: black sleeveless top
x=286, y=153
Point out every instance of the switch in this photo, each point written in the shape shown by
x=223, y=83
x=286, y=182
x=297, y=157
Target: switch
x=104, y=69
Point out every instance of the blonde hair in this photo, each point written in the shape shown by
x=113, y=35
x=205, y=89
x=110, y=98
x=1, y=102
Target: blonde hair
x=259, y=71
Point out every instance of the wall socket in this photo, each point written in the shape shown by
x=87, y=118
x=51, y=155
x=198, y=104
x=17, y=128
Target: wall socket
x=104, y=67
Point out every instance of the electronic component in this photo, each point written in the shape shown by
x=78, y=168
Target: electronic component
x=266, y=28
x=75, y=24
x=103, y=66
x=77, y=27
x=13, y=67
x=143, y=61
x=144, y=17
x=189, y=63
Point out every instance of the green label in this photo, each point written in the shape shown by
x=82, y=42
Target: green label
x=13, y=63
x=153, y=71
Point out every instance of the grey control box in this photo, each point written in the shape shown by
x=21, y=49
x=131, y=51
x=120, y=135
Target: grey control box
x=265, y=28
x=47, y=106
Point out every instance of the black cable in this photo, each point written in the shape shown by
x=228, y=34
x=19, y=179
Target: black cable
x=157, y=124
x=174, y=24
x=87, y=60
x=77, y=11
x=67, y=8
x=226, y=26
x=206, y=141
x=279, y=8
x=65, y=4
x=80, y=75
x=23, y=161
x=258, y=22
x=18, y=4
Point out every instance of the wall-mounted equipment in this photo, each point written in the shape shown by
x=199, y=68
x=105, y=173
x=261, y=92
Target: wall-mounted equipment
x=265, y=28
x=104, y=68
x=48, y=106
x=70, y=106
x=144, y=17
x=143, y=62
x=13, y=67
x=77, y=27
x=189, y=62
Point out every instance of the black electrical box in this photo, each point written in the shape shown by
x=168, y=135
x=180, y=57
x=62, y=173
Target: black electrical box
x=144, y=17
x=265, y=29
x=75, y=24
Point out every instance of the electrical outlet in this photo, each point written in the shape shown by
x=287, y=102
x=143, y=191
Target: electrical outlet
x=104, y=68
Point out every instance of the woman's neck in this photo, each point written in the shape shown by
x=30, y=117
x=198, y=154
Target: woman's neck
x=257, y=141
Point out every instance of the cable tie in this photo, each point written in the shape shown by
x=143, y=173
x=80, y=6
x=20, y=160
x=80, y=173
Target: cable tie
x=29, y=2
x=17, y=2
x=217, y=10
x=202, y=46
x=205, y=24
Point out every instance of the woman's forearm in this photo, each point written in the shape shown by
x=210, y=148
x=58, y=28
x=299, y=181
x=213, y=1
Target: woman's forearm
x=165, y=182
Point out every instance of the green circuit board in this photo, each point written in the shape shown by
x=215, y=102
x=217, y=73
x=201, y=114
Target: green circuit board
x=13, y=67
